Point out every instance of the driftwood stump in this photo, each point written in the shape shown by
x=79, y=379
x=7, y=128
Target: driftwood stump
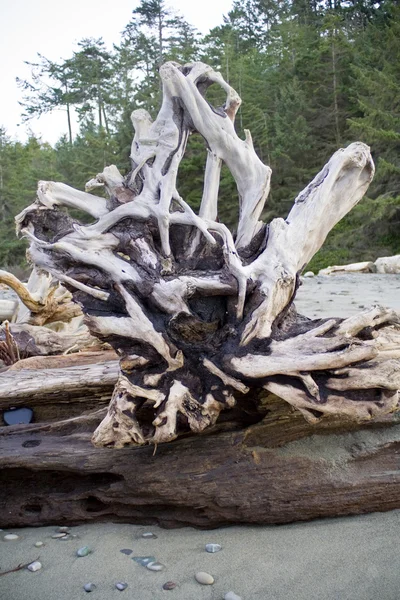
x=207, y=333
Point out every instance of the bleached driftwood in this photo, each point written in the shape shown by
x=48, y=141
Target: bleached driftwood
x=388, y=264
x=200, y=318
x=44, y=319
x=361, y=267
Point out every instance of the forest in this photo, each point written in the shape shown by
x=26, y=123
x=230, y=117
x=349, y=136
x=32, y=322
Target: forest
x=313, y=76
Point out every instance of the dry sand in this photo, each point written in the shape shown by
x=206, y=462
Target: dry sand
x=352, y=558
x=346, y=295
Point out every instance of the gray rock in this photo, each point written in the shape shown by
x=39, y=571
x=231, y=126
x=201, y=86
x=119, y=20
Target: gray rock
x=63, y=530
x=155, y=566
x=121, y=586
x=149, y=535
x=39, y=544
x=35, y=566
x=204, y=578
x=83, y=551
x=232, y=596
x=58, y=536
x=126, y=551
x=89, y=587
x=213, y=548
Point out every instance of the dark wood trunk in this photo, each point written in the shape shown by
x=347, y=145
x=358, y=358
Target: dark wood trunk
x=277, y=470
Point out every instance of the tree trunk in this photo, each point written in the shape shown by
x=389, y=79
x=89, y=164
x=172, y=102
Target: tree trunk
x=277, y=470
x=205, y=324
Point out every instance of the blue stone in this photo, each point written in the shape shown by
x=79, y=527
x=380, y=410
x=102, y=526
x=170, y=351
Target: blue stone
x=18, y=416
x=144, y=560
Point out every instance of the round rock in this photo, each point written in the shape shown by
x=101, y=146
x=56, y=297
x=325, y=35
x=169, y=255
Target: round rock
x=232, y=596
x=169, y=585
x=39, y=544
x=89, y=587
x=35, y=566
x=11, y=537
x=121, y=586
x=83, y=551
x=204, y=578
x=213, y=548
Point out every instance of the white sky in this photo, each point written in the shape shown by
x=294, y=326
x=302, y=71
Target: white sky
x=52, y=28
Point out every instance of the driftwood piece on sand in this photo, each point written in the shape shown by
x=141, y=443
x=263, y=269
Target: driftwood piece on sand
x=281, y=417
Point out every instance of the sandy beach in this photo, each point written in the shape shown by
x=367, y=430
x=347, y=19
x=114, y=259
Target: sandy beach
x=352, y=558
x=335, y=559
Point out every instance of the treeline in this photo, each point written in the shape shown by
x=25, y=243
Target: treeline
x=313, y=75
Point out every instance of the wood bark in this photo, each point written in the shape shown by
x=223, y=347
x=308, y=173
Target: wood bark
x=265, y=464
x=202, y=320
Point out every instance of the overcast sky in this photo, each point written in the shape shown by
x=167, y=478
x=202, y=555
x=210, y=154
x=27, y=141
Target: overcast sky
x=52, y=28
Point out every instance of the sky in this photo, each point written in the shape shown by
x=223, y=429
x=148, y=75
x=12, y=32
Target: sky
x=53, y=28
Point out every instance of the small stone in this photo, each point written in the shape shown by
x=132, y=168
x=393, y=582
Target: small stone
x=83, y=551
x=89, y=587
x=35, y=566
x=126, y=551
x=65, y=539
x=204, y=578
x=169, y=585
x=148, y=535
x=10, y=537
x=121, y=586
x=309, y=274
x=213, y=548
x=58, y=536
x=232, y=596
x=39, y=544
x=155, y=566
x=144, y=560
x=63, y=530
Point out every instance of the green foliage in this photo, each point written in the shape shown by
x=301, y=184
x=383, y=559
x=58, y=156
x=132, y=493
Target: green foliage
x=313, y=75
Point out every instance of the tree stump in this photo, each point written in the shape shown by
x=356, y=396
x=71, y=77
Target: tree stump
x=205, y=326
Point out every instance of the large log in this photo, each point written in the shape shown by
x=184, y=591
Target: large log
x=276, y=470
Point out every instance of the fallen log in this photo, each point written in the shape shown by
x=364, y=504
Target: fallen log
x=277, y=470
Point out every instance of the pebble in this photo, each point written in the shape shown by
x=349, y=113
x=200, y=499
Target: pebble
x=144, y=560
x=149, y=535
x=63, y=530
x=169, y=585
x=10, y=537
x=155, y=566
x=89, y=587
x=121, y=586
x=35, y=566
x=232, y=596
x=83, y=551
x=65, y=538
x=213, y=548
x=39, y=544
x=204, y=578
x=58, y=536
x=126, y=551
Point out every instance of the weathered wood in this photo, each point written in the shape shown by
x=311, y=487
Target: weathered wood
x=199, y=319
x=275, y=471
